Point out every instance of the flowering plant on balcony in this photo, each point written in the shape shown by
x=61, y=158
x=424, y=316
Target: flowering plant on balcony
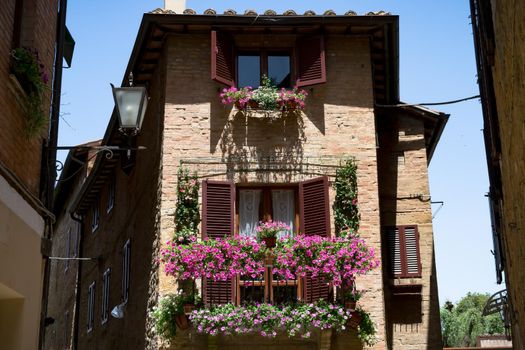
x=337, y=260
x=266, y=97
x=266, y=319
x=270, y=229
x=216, y=259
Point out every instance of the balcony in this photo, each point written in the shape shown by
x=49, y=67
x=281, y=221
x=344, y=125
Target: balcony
x=293, y=290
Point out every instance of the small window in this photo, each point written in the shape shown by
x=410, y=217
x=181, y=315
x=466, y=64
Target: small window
x=126, y=264
x=105, y=295
x=111, y=194
x=76, y=240
x=68, y=249
x=405, y=261
x=91, y=307
x=96, y=216
x=249, y=70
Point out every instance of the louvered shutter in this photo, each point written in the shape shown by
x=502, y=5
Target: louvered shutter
x=311, y=62
x=315, y=220
x=403, y=246
x=217, y=221
x=314, y=206
x=412, y=252
x=394, y=246
x=222, y=58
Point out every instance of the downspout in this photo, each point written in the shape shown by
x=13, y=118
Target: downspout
x=49, y=172
x=78, y=288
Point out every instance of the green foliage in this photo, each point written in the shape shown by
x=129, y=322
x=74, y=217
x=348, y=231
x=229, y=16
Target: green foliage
x=187, y=216
x=168, y=308
x=463, y=323
x=29, y=71
x=366, y=331
x=346, y=210
x=266, y=95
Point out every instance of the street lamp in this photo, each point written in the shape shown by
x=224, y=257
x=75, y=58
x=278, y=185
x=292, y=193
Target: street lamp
x=131, y=102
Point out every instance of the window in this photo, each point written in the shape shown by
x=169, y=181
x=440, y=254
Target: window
x=17, y=24
x=111, y=194
x=68, y=249
x=105, y=295
x=251, y=66
x=263, y=204
x=126, y=264
x=304, y=205
x=403, y=242
x=91, y=307
x=76, y=240
x=237, y=67
x=96, y=216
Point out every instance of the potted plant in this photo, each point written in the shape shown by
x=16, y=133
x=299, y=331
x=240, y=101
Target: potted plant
x=172, y=311
x=350, y=298
x=185, y=236
x=366, y=331
x=267, y=232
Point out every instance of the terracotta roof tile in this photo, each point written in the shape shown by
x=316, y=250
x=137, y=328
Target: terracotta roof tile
x=231, y=12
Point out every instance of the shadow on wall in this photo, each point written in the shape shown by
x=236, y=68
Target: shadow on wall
x=262, y=145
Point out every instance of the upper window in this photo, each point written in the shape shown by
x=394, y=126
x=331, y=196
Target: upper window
x=276, y=65
x=403, y=246
x=111, y=195
x=126, y=265
x=95, y=222
x=91, y=307
x=68, y=249
x=105, y=295
x=236, y=67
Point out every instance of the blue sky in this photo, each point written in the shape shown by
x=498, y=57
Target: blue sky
x=436, y=64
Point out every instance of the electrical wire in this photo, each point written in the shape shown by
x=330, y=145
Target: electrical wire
x=429, y=103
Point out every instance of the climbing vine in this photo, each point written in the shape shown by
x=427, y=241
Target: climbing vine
x=187, y=215
x=346, y=210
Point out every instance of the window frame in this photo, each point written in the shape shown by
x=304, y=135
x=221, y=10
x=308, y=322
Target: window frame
x=66, y=330
x=91, y=307
x=126, y=268
x=111, y=194
x=264, y=52
x=106, y=280
x=95, y=218
x=403, y=251
x=68, y=249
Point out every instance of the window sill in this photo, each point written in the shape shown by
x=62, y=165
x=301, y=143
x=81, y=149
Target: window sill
x=406, y=286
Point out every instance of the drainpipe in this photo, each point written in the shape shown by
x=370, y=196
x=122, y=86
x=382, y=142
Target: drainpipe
x=49, y=161
x=78, y=287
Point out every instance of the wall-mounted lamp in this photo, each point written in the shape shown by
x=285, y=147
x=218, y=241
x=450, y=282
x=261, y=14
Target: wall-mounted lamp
x=131, y=102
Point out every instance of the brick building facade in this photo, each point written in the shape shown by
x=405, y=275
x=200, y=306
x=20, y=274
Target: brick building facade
x=30, y=24
x=186, y=125
x=500, y=54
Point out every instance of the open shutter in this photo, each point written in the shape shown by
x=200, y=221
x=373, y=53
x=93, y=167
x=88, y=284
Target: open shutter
x=217, y=221
x=311, y=63
x=315, y=220
x=315, y=207
x=222, y=58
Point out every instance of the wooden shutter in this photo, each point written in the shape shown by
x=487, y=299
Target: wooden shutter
x=314, y=205
x=315, y=220
x=311, y=62
x=222, y=58
x=217, y=221
x=404, y=253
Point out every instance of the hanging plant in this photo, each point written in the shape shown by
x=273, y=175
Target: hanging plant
x=30, y=73
x=346, y=209
x=187, y=216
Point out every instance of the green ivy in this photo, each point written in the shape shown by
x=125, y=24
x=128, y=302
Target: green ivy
x=168, y=308
x=366, y=330
x=187, y=216
x=29, y=71
x=346, y=210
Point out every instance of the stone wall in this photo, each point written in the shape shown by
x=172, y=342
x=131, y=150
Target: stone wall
x=509, y=75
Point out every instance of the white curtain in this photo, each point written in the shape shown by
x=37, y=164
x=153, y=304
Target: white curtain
x=283, y=203
x=249, y=202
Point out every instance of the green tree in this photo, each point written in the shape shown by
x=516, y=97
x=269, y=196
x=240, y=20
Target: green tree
x=462, y=323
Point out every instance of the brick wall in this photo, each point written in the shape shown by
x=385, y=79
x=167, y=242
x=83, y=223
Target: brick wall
x=509, y=74
x=19, y=153
x=412, y=321
x=338, y=123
